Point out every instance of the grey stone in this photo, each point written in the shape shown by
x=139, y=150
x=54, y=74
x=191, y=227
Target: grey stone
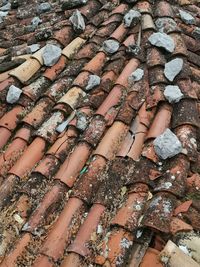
x=173, y=93
x=110, y=46
x=44, y=7
x=173, y=68
x=34, y=47
x=165, y=24
x=167, y=145
x=77, y=21
x=82, y=121
x=186, y=17
x=93, y=81
x=132, y=18
x=36, y=21
x=136, y=75
x=162, y=40
x=6, y=7
x=13, y=94
x=67, y=4
x=3, y=15
x=51, y=54
x=62, y=126
x=196, y=33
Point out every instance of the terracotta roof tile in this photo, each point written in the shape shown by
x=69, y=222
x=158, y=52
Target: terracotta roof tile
x=80, y=181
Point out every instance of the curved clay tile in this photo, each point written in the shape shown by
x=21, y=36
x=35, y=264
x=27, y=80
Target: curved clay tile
x=11, y=258
x=74, y=163
x=39, y=112
x=89, y=181
x=112, y=140
x=30, y=157
x=52, y=72
x=47, y=205
x=59, y=236
x=83, y=236
x=161, y=121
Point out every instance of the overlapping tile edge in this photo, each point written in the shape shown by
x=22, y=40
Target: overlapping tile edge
x=85, y=176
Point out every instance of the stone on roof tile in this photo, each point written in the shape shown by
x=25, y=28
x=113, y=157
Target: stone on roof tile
x=167, y=145
x=186, y=17
x=13, y=94
x=173, y=68
x=51, y=54
x=132, y=18
x=173, y=93
x=162, y=40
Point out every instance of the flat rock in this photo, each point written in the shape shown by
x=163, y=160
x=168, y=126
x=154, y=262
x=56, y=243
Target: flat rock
x=94, y=80
x=6, y=7
x=13, y=94
x=166, y=25
x=51, y=54
x=167, y=145
x=162, y=40
x=136, y=75
x=132, y=18
x=44, y=7
x=110, y=46
x=36, y=21
x=68, y=4
x=186, y=17
x=173, y=93
x=77, y=21
x=34, y=47
x=173, y=68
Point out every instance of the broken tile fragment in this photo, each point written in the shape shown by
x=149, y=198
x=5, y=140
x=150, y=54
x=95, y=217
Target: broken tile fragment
x=68, y=4
x=44, y=7
x=94, y=80
x=173, y=93
x=51, y=54
x=167, y=145
x=132, y=18
x=110, y=46
x=77, y=21
x=186, y=17
x=173, y=68
x=136, y=75
x=162, y=40
x=13, y=94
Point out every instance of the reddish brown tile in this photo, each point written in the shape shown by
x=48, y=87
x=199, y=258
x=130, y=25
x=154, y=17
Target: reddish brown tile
x=90, y=224
x=129, y=68
x=60, y=234
x=72, y=166
x=47, y=205
x=11, y=258
x=39, y=112
x=128, y=215
x=10, y=119
x=95, y=65
x=159, y=212
x=151, y=258
x=4, y=136
x=161, y=121
x=89, y=181
x=112, y=140
x=112, y=100
x=30, y=157
x=55, y=70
